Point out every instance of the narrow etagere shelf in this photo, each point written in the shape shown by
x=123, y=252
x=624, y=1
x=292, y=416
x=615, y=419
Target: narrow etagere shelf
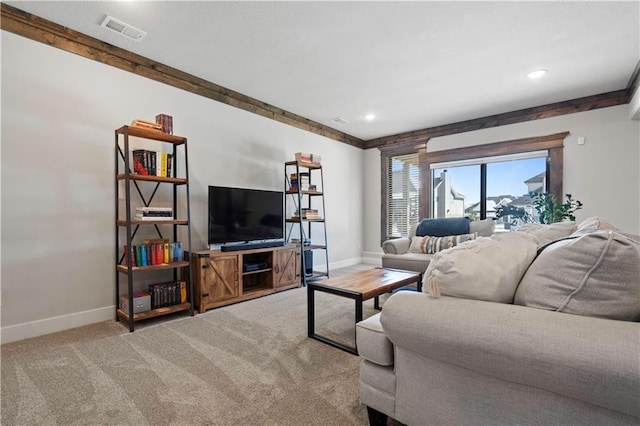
x=303, y=199
x=146, y=187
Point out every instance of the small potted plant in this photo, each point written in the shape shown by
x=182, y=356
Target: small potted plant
x=513, y=216
x=551, y=211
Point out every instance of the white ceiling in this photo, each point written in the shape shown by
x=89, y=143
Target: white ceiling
x=413, y=64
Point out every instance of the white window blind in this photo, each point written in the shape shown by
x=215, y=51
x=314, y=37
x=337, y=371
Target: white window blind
x=403, y=194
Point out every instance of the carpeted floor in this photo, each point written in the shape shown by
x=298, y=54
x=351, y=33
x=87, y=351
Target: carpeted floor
x=244, y=364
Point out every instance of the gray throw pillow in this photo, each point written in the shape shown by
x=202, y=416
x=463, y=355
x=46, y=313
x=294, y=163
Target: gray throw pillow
x=596, y=274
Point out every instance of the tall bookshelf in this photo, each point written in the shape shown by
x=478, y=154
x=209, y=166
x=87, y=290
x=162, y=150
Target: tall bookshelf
x=146, y=187
x=311, y=231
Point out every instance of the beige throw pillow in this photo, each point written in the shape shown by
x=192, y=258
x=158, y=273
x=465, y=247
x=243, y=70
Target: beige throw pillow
x=431, y=245
x=548, y=233
x=596, y=274
x=593, y=223
x=484, y=269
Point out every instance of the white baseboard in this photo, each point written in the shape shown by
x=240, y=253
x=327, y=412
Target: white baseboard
x=345, y=263
x=372, y=258
x=27, y=330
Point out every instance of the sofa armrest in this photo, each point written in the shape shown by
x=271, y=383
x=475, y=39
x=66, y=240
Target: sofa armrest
x=589, y=359
x=396, y=246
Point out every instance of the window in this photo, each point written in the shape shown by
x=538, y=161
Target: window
x=477, y=187
x=400, y=189
x=417, y=184
x=473, y=181
x=403, y=194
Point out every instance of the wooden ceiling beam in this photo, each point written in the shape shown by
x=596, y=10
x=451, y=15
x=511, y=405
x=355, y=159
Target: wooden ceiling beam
x=587, y=103
x=33, y=27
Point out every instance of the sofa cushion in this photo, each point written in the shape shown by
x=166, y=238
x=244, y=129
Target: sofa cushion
x=484, y=227
x=431, y=245
x=372, y=343
x=441, y=227
x=417, y=262
x=485, y=268
x=595, y=274
x=548, y=233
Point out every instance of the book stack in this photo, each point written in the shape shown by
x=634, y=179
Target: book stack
x=306, y=158
x=166, y=123
x=145, y=124
x=154, y=252
x=154, y=213
x=302, y=181
x=308, y=214
x=168, y=294
x=152, y=163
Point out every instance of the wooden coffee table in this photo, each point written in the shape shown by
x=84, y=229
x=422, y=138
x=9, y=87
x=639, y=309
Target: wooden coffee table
x=360, y=286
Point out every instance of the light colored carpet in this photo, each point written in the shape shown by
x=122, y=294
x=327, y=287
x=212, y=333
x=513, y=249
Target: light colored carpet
x=246, y=364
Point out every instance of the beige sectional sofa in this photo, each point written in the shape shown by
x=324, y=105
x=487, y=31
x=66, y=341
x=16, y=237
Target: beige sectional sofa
x=560, y=346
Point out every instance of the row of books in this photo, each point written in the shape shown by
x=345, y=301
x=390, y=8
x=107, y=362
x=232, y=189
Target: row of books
x=154, y=213
x=302, y=181
x=146, y=124
x=154, y=252
x=308, y=214
x=152, y=163
x=168, y=294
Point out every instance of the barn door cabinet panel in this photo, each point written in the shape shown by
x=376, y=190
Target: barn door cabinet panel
x=287, y=267
x=218, y=280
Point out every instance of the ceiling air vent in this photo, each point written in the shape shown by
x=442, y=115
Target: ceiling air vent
x=123, y=28
x=340, y=120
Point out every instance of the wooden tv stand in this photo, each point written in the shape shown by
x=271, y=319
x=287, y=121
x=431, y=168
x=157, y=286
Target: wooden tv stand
x=222, y=278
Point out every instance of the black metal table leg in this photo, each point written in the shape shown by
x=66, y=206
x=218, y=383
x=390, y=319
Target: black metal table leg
x=311, y=314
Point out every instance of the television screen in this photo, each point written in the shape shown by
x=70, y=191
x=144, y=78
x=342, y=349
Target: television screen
x=244, y=215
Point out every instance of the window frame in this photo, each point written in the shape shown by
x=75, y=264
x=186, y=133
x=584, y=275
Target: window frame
x=553, y=144
x=386, y=153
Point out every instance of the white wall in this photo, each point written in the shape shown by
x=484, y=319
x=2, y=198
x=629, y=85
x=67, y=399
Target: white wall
x=59, y=113
x=604, y=173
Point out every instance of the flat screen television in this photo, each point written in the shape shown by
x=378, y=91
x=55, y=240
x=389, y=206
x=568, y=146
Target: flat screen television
x=251, y=216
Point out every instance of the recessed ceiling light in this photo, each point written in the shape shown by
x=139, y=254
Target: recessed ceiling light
x=370, y=117
x=536, y=74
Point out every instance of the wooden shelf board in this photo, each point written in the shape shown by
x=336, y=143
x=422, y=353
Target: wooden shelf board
x=305, y=165
x=151, y=134
x=292, y=220
x=257, y=271
x=304, y=192
x=163, y=266
x=256, y=290
x=153, y=222
x=155, y=312
x=134, y=176
x=315, y=247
